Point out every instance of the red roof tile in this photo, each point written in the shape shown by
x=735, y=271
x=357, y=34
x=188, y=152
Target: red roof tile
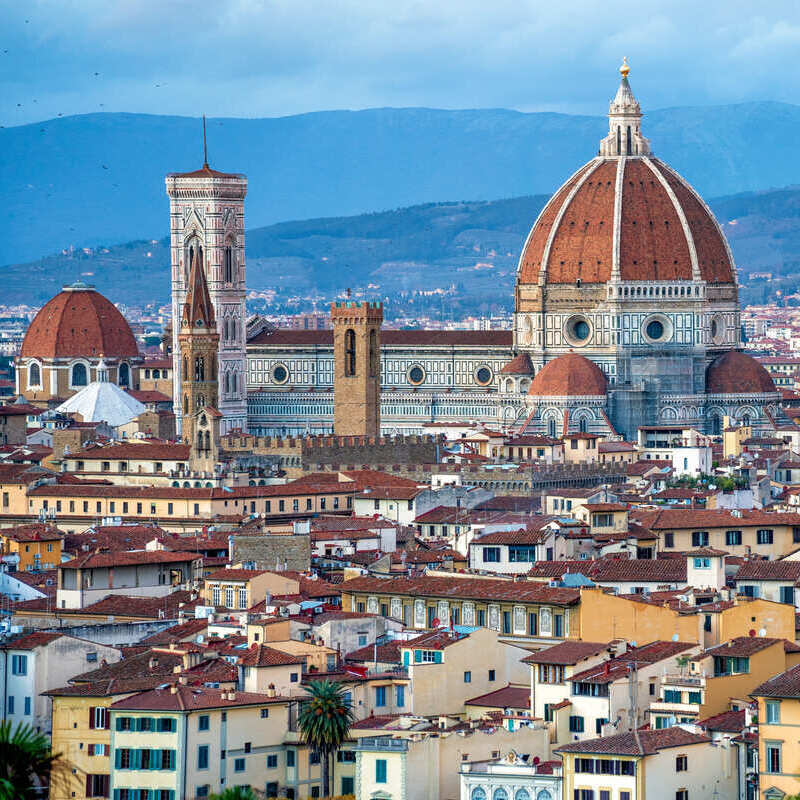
x=185, y=698
x=566, y=653
x=507, y=697
x=643, y=742
x=569, y=375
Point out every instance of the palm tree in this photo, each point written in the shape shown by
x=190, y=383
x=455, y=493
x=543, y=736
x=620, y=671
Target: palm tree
x=324, y=720
x=26, y=762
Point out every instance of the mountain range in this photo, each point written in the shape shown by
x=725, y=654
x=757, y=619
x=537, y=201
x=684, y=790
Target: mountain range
x=98, y=179
x=467, y=249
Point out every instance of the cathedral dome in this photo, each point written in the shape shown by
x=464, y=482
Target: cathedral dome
x=79, y=322
x=737, y=373
x=625, y=216
x=569, y=375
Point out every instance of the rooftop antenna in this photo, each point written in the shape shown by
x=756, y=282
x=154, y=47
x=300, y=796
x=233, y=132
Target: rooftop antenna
x=205, y=147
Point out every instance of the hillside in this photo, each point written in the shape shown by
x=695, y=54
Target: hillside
x=467, y=248
x=98, y=179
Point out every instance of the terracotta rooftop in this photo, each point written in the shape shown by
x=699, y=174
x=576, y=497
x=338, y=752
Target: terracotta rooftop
x=566, y=653
x=760, y=570
x=617, y=667
x=261, y=655
x=519, y=365
x=700, y=519
x=507, y=697
x=79, y=322
x=467, y=588
x=644, y=742
x=569, y=375
x=185, y=698
x=647, y=222
x=737, y=373
x=30, y=641
x=726, y=722
x=739, y=646
x=390, y=338
x=35, y=532
x=122, y=558
x=787, y=684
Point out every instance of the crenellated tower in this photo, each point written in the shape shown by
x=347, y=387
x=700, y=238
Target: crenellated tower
x=357, y=368
x=207, y=227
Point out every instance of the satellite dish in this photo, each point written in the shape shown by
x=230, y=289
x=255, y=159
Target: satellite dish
x=674, y=637
x=762, y=632
x=535, y=760
x=751, y=632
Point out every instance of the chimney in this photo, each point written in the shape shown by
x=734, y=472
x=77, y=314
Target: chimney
x=173, y=689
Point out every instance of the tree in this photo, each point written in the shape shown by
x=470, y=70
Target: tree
x=324, y=721
x=235, y=793
x=26, y=762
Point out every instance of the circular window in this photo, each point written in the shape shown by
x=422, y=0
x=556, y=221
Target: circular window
x=655, y=329
x=578, y=330
x=416, y=375
x=280, y=374
x=483, y=375
x=717, y=330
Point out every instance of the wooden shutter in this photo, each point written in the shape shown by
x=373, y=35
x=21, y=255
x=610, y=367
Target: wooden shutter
x=89, y=786
x=91, y=717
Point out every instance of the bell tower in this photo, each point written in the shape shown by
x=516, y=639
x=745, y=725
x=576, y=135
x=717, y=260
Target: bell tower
x=356, y=368
x=198, y=345
x=207, y=225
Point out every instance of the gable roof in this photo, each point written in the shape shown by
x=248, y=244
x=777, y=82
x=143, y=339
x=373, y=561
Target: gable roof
x=566, y=653
x=626, y=744
x=507, y=697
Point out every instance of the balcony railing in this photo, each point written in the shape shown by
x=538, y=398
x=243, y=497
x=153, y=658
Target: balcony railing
x=675, y=678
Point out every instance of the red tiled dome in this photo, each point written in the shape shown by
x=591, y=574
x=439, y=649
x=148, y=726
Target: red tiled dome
x=79, y=322
x=737, y=373
x=519, y=365
x=569, y=375
x=665, y=231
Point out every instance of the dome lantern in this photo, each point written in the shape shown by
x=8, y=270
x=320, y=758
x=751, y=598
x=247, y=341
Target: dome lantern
x=624, y=122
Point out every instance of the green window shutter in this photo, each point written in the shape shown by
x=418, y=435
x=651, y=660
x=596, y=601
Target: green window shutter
x=119, y=723
x=437, y=657
x=117, y=755
x=155, y=759
x=417, y=656
x=406, y=658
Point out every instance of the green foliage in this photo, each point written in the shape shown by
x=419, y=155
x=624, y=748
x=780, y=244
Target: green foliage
x=235, y=793
x=324, y=721
x=26, y=762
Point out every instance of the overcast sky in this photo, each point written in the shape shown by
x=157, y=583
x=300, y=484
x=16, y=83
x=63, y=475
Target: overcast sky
x=258, y=58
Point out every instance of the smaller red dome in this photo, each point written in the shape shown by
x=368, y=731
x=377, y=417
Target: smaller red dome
x=737, y=373
x=569, y=375
x=79, y=322
x=520, y=365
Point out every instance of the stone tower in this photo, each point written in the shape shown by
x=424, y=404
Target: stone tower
x=356, y=368
x=198, y=345
x=207, y=224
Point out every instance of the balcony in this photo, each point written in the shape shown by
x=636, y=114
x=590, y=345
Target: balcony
x=677, y=679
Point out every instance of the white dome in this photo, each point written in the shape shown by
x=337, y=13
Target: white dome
x=102, y=401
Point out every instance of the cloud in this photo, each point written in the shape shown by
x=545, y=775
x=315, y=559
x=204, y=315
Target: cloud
x=275, y=57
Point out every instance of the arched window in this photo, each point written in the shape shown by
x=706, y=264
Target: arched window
x=201, y=400
x=200, y=440
x=619, y=141
x=124, y=375
x=544, y=795
x=185, y=368
x=522, y=794
x=582, y=425
x=194, y=253
x=79, y=375
x=551, y=428
x=227, y=383
x=34, y=375
x=228, y=263
x=374, y=354
x=499, y=794
x=207, y=440
x=234, y=383
x=716, y=425
x=630, y=142
x=349, y=352
x=478, y=794
x=186, y=404
x=199, y=368
x=746, y=420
